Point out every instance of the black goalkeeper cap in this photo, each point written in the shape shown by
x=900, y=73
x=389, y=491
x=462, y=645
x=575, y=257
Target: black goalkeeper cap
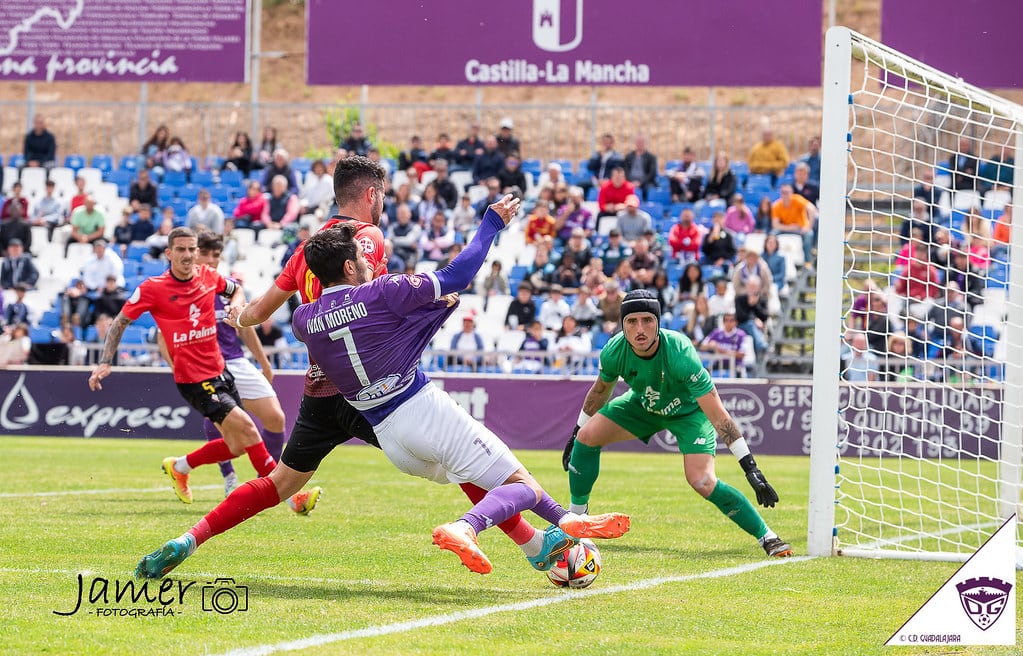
x=641, y=300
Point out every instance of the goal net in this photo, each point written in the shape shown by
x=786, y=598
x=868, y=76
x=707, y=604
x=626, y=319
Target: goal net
x=915, y=450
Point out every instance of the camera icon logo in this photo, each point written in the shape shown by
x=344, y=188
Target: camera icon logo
x=225, y=597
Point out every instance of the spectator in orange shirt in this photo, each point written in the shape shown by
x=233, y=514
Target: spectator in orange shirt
x=613, y=193
x=1001, y=235
x=540, y=224
x=684, y=238
x=794, y=214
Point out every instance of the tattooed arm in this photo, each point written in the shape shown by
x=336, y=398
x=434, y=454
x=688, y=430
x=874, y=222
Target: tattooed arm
x=597, y=396
x=113, y=340
x=718, y=415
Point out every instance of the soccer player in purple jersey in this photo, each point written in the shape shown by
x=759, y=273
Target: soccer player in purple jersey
x=369, y=337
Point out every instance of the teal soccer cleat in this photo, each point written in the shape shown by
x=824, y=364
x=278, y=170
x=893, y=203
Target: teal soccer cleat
x=159, y=563
x=555, y=543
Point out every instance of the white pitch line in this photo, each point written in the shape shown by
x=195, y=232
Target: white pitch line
x=65, y=493
x=439, y=620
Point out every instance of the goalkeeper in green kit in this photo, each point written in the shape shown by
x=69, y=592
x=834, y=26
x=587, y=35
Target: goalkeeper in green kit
x=669, y=389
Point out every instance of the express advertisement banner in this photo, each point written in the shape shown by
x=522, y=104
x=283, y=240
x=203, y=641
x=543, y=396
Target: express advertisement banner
x=565, y=42
x=124, y=40
x=925, y=421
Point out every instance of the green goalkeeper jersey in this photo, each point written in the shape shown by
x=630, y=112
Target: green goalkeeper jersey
x=666, y=384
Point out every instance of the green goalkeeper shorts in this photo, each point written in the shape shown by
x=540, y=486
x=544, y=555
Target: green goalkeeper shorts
x=693, y=432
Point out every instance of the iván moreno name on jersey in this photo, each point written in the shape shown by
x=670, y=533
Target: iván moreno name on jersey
x=336, y=318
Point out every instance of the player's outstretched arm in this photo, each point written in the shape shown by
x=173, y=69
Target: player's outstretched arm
x=457, y=275
x=730, y=434
x=595, y=399
x=110, y=345
x=262, y=307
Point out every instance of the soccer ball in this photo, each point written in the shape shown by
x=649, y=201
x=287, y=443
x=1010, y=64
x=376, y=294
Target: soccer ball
x=577, y=568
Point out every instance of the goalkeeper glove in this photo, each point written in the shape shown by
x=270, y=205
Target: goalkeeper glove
x=567, y=454
x=766, y=496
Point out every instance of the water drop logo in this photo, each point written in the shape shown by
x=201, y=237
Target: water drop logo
x=31, y=416
x=547, y=25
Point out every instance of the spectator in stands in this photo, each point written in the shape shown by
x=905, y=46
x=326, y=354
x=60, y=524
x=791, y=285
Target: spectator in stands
x=431, y=204
x=879, y=325
x=143, y=190
x=593, y=277
x=273, y=340
x=793, y=214
x=495, y=283
x=493, y=195
x=78, y=198
x=927, y=192
x=614, y=192
x=546, y=196
x=941, y=248
x=977, y=242
x=534, y=343
x=280, y=165
x=812, y=158
x=442, y=150
x=282, y=206
x=506, y=141
x=686, y=182
x=49, y=211
x=963, y=166
x=206, y=214
x=768, y=157
x=468, y=149
x=251, y=209
x=405, y=234
x=304, y=232
x=610, y=305
x=154, y=147
x=919, y=284
x=567, y=275
x=437, y=240
x=573, y=216
x=763, y=214
x=602, y=163
x=15, y=346
x=801, y=183
x=623, y=276
x=244, y=144
x=641, y=166
x=468, y=339
x=16, y=226
x=17, y=267
x=40, y=147
x=739, y=220
x=560, y=198
x=727, y=341
x=585, y=310
x=614, y=251
x=75, y=303
x=684, y=238
x=177, y=157
x=950, y=354
x=122, y=232
x=947, y=308
x=863, y=365
x=775, y=260
x=552, y=176
x=463, y=218
x=720, y=187
x=157, y=242
x=1001, y=235
x=718, y=247
x=643, y=263
x=554, y=309
x=1000, y=169
x=632, y=221
x=751, y=313
x=414, y=157
x=540, y=223
x=402, y=196
x=357, y=143
x=142, y=229
x=87, y=224
x=445, y=188
x=750, y=265
x=16, y=312
x=577, y=251
x=489, y=163
x=963, y=273
x=111, y=298
x=997, y=197
x=105, y=263
x=268, y=145
x=237, y=161
x=452, y=253
x=541, y=272
x=692, y=298
x=511, y=174
x=522, y=309
x=15, y=204
x=666, y=294
x=919, y=219
x=571, y=344
x=395, y=264
x=896, y=365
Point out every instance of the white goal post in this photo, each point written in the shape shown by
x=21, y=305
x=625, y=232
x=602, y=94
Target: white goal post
x=918, y=388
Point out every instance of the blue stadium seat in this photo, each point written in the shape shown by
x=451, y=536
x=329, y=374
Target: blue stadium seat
x=220, y=195
x=983, y=339
x=175, y=178
x=232, y=178
x=301, y=164
x=41, y=335
x=130, y=163
x=104, y=163
x=659, y=195
x=120, y=177
x=213, y=163
x=202, y=178
x=74, y=162
x=190, y=193
x=674, y=272
x=132, y=282
x=654, y=209
x=532, y=166
x=592, y=194
x=17, y=161
x=165, y=195
x=133, y=265
x=675, y=209
x=759, y=182
x=135, y=334
x=145, y=321
x=91, y=334
x=181, y=207
x=50, y=319
x=998, y=275
x=789, y=170
x=673, y=165
x=566, y=166
x=153, y=267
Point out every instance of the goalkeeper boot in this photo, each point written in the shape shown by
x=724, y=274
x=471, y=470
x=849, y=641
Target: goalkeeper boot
x=157, y=564
x=460, y=538
x=555, y=543
x=777, y=548
x=608, y=525
x=302, y=503
x=178, y=480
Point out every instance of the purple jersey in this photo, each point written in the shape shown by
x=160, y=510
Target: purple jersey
x=731, y=341
x=369, y=339
x=227, y=337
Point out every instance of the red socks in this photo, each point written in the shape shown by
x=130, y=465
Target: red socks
x=518, y=529
x=261, y=459
x=209, y=453
x=247, y=501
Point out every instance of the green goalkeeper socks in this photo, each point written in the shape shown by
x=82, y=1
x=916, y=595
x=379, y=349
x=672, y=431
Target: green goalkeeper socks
x=583, y=469
x=736, y=507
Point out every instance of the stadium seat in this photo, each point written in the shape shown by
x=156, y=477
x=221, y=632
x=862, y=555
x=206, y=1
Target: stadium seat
x=120, y=177
x=129, y=163
x=41, y=335
x=202, y=178
x=654, y=209
x=33, y=182
x=301, y=165
x=759, y=181
x=174, y=178
x=74, y=162
x=165, y=195
x=102, y=162
x=592, y=194
x=93, y=177
x=181, y=207
x=145, y=321
x=659, y=195
x=153, y=268
x=220, y=195
x=17, y=161
x=50, y=319
x=190, y=193
x=232, y=179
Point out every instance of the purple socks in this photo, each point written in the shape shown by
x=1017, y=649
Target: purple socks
x=274, y=443
x=505, y=500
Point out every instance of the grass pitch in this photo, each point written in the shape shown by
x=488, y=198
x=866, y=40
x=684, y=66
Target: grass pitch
x=360, y=576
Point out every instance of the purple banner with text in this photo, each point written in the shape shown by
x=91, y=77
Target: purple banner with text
x=530, y=413
x=114, y=40
x=565, y=42
x=978, y=39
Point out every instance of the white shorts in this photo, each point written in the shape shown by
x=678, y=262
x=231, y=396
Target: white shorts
x=433, y=437
x=249, y=381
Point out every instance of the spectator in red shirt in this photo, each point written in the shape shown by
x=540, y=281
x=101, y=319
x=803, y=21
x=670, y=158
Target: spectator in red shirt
x=540, y=224
x=251, y=209
x=684, y=238
x=613, y=193
x=919, y=283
